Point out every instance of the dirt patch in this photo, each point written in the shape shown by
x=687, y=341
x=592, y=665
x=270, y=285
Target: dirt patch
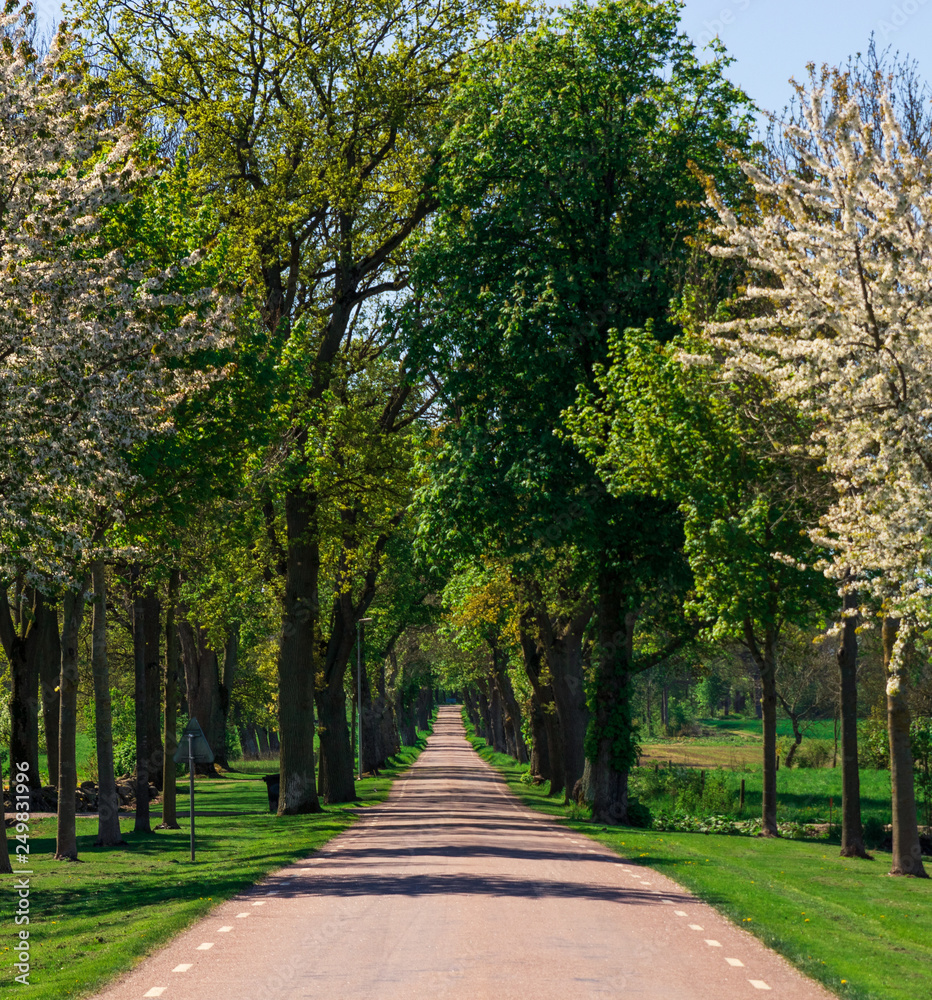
x=734, y=758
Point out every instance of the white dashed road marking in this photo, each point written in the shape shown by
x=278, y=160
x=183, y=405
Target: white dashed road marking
x=695, y=927
x=156, y=991
x=258, y=904
x=736, y=962
x=206, y=946
x=758, y=984
x=221, y=930
x=712, y=944
x=239, y=916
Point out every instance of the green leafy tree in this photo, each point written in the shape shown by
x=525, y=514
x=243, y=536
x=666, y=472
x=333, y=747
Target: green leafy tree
x=568, y=201
x=720, y=451
x=317, y=126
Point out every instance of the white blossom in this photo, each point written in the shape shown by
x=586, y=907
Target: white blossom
x=84, y=341
x=846, y=331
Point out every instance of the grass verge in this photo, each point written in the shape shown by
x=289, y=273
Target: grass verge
x=847, y=924
x=94, y=919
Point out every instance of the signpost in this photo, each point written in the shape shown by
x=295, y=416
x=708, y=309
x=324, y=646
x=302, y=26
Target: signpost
x=193, y=748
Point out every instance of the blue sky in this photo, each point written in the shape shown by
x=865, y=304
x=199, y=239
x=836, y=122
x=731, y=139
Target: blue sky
x=773, y=40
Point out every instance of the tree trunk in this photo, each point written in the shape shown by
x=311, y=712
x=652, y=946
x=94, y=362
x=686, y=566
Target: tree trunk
x=766, y=662
x=337, y=782
x=142, y=824
x=797, y=734
x=485, y=713
x=371, y=720
x=408, y=727
x=561, y=646
x=298, y=786
x=66, y=840
x=152, y=616
x=549, y=722
x=540, y=756
x=108, y=802
x=510, y=709
x=554, y=751
x=852, y=837
x=650, y=721
x=249, y=742
x=230, y=666
x=5, y=867
x=22, y=645
x=423, y=709
x=204, y=690
x=169, y=800
x=609, y=741
x=472, y=707
x=907, y=851
x=499, y=742
x=665, y=707
x=262, y=738
x=389, y=724
x=49, y=674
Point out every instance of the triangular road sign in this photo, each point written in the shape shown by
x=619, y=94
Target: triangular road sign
x=202, y=752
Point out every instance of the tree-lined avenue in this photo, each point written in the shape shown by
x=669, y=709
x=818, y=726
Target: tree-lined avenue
x=454, y=889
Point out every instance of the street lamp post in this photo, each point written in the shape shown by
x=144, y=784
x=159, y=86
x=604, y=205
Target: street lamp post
x=359, y=625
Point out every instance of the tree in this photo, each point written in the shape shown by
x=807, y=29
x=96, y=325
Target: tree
x=88, y=343
x=317, y=125
x=675, y=430
x=567, y=203
x=844, y=328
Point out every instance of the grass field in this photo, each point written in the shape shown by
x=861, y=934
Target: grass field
x=93, y=919
x=846, y=923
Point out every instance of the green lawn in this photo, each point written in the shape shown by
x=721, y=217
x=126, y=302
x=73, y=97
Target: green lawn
x=849, y=925
x=94, y=919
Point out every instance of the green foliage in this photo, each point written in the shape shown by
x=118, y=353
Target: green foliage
x=873, y=743
x=638, y=814
x=123, y=728
x=874, y=831
x=813, y=753
x=685, y=790
x=681, y=719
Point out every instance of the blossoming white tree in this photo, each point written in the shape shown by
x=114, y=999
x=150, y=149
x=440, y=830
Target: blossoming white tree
x=89, y=343
x=843, y=325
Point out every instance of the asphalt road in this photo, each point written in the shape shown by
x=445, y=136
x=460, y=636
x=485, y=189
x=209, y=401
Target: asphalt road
x=452, y=888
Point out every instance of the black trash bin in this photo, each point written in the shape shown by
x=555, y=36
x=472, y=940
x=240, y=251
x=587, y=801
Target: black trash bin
x=272, y=783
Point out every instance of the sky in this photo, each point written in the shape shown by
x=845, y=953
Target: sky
x=773, y=40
